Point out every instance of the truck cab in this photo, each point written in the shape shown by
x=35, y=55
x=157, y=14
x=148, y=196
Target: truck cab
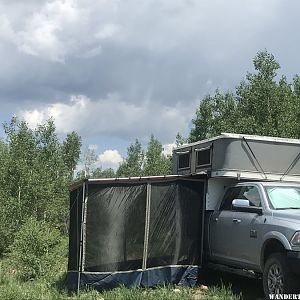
x=256, y=226
x=252, y=214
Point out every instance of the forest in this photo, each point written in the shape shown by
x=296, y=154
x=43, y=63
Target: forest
x=37, y=168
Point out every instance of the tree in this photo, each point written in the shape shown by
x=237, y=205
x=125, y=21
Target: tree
x=71, y=152
x=257, y=97
x=106, y=173
x=180, y=140
x=215, y=114
x=260, y=105
x=132, y=165
x=156, y=163
x=89, y=159
x=139, y=163
x=34, y=177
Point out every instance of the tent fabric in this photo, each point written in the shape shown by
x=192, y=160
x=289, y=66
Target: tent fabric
x=136, y=233
x=179, y=275
x=76, y=198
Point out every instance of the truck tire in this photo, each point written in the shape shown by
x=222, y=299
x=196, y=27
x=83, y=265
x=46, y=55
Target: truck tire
x=277, y=277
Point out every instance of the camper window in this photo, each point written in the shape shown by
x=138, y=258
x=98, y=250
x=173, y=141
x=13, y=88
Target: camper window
x=184, y=160
x=203, y=156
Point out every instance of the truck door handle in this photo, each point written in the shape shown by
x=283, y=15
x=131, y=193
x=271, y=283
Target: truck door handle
x=236, y=221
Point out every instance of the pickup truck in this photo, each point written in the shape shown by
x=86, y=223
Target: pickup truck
x=255, y=231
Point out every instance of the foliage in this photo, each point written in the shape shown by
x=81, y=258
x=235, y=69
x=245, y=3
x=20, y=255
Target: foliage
x=90, y=170
x=215, y=114
x=36, y=249
x=261, y=104
x=71, y=152
x=106, y=173
x=35, y=172
x=180, y=140
x=140, y=163
x=133, y=163
x=156, y=163
x=89, y=160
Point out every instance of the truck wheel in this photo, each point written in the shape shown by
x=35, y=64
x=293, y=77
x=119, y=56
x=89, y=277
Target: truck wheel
x=277, y=277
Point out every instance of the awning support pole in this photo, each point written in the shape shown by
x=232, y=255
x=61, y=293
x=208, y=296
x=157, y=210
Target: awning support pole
x=81, y=239
x=147, y=224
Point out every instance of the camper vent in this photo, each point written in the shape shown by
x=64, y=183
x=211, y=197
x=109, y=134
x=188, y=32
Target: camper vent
x=184, y=160
x=203, y=156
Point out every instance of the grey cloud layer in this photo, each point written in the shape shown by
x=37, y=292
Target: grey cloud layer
x=167, y=53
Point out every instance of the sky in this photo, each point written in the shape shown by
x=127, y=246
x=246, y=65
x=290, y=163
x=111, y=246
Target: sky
x=117, y=70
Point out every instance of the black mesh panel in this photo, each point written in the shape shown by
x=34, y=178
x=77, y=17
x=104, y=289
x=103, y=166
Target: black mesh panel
x=175, y=223
x=76, y=197
x=115, y=227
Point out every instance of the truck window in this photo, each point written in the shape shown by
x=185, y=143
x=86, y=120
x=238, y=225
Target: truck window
x=251, y=193
x=231, y=194
x=284, y=197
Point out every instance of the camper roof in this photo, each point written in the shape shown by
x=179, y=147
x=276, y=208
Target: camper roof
x=225, y=135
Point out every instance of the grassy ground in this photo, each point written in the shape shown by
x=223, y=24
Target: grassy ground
x=52, y=287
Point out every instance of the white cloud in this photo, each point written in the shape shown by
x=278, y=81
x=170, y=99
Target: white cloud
x=6, y=31
x=114, y=117
x=168, y=148
x=107, y=31
x=34, y=117
x=40, y=36
x=58, y=29
x=110, y=159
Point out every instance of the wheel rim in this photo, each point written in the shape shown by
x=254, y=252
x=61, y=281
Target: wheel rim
x=275, y=279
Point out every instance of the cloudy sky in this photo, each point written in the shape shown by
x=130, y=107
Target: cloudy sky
x=116, y=70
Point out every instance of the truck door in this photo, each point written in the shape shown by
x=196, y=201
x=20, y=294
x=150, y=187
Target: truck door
x=221, y=234
x=247, y=241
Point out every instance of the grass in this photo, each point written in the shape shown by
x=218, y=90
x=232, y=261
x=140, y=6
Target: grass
x=52, y=287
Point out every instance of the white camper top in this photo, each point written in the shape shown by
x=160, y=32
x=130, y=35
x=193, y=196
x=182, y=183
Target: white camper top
x=225, y=135
x=241, y=156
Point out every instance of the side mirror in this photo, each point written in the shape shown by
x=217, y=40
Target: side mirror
x=243, y=205
x=240, y=202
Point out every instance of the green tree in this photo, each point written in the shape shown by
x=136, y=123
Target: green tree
x=34, y=177
x=261, y=104
x=36, y=249
x=257, y=97
x=71, y=152
x=180, y=140
x=106, y=173
x=89, y=160
x=132, y=165
x=156, y=163
x=215, y=114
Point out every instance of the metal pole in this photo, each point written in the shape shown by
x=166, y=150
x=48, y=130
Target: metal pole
x=81, y=239
x=147, y=224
